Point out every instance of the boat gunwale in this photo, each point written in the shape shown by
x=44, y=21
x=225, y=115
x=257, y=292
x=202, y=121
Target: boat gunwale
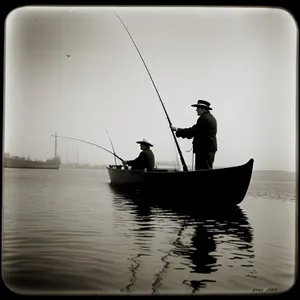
x=165, y=171
x=126, y=170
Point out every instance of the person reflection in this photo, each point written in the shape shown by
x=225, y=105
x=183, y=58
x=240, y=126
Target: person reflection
x=211, y=228
x=204, y=243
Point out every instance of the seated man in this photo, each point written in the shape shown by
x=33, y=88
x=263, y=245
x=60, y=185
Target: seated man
x=145, y=160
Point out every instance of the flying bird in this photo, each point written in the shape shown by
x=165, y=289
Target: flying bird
x=68, y=55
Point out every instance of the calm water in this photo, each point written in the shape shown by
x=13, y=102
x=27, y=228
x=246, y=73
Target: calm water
x=68, y=231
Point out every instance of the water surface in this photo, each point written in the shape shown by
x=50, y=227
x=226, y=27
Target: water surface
x=67, y=231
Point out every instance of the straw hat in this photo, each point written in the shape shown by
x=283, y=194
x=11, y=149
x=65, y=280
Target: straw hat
x=146, y=142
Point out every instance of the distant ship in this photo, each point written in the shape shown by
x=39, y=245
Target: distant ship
x=22, y=162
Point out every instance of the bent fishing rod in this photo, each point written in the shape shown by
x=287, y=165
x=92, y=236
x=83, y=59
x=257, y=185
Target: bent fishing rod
x=70, y=138
x=176, y=142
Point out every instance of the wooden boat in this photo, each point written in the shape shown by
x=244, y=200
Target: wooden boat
x=217, y=186
x=226, y=186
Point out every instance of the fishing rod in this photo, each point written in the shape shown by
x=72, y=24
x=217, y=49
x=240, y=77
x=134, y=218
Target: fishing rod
x=176, y=142
x=70, y=138
x=192, y=157
x=112, y=146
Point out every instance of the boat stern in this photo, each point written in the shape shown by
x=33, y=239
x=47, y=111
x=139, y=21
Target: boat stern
x=119, y=175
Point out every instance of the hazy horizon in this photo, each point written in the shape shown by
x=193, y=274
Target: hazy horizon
x=242, y=60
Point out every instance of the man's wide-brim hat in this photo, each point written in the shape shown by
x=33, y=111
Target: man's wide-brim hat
x=145, y=142
x=202, y=103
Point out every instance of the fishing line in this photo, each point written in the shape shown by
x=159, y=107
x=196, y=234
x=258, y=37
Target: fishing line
x=83, y=141
x=163, y=106
x=112, y=146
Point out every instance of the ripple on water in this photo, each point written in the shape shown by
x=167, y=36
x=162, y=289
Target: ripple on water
x=78, y=235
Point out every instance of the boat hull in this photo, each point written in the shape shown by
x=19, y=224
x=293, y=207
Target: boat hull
x=30, y=164
x=218, y=186
x=122, y=176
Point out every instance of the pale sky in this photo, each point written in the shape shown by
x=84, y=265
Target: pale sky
x=242, y=60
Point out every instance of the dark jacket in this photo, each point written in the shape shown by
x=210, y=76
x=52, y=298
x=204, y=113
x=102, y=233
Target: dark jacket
x=145, y=160
x=204, y=133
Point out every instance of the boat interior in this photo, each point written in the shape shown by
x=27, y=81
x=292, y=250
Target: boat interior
x=157, y=169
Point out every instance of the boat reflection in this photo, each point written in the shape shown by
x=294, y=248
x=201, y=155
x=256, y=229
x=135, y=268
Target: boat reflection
x=213, y=229
x=142, y=215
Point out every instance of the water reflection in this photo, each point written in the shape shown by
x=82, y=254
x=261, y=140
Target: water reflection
x=213, y=229
x=139, y=210
x=142, y=216
x=215, y=232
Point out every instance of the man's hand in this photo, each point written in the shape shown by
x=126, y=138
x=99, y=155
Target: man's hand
x=173, y=128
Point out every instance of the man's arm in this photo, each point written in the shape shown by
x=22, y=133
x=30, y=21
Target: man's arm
x=187, y=133
x=191, y=132
x=138, y=161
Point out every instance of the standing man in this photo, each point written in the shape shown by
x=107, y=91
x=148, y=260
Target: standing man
x=145, y=160
x=204, y=135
